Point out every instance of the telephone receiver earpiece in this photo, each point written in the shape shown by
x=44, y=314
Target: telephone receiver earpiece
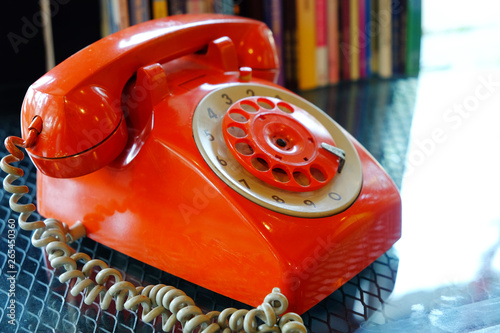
x=79, y=100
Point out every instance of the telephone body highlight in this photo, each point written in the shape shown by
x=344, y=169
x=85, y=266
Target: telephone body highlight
x=171, y=142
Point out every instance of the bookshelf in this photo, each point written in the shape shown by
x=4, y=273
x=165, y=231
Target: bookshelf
x=320, y=42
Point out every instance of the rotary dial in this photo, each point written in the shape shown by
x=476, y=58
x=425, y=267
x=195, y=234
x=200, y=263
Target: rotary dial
x=277, y=150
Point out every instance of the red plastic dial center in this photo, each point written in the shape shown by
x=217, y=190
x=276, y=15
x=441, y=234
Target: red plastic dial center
x=279, y=143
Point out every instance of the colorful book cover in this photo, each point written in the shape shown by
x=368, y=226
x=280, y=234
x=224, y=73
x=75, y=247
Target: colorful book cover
x=413, y=36
x=385, y=44
x=321, y=44
x=306, y=44
x=160, y=8
x=333, y=41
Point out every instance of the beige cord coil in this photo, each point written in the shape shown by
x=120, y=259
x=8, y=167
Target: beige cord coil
x=172, y=304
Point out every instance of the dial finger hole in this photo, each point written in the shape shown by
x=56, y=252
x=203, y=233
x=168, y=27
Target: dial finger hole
x=236, y=132
x=236, y=116
x=317, y=174
x=280, y=175
x=265, y=103
x=249, y=106
x=260, y=164
x=244, y=148
x=301, y=178
x=285, y=107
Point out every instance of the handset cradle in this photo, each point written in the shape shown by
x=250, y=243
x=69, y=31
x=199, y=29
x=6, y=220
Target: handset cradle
x=89, y=130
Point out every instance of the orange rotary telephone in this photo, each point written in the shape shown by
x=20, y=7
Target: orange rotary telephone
x=169, y=142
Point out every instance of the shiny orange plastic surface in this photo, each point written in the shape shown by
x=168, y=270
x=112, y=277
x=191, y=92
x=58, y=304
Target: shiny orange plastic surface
x=279, y=143
x=86, y=91
x=159, y=202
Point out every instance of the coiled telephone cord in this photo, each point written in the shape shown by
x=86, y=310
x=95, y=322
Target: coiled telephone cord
x=160, y=300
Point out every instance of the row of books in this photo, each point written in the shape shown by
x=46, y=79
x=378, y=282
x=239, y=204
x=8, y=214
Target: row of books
x=119, y=14
x=328, y=41
x=320, y=42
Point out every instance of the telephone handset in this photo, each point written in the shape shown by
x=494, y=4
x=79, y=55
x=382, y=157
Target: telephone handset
x=168, y=141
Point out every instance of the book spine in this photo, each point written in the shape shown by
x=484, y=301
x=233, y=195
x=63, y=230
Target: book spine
x=105, y=17
x=374, y=37
x=345, y=43
x=321, y=44
x=223, y=7
x=114, y=16
x=413, y=36
x=402, y=39
x=252, y=9
x=196, y=6
x=290, y=44
x=306, y=44
x=396, y=32
x=124, y=20
x=362, y=42
x=273, y=17
x=354, y=38
x=368, y=38
x=160, y=8
x=139, y=11
x=333, y=40
x=176, y=7
x=385, y=44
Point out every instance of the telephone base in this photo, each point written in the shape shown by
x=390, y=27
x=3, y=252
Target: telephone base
x=243, y=255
